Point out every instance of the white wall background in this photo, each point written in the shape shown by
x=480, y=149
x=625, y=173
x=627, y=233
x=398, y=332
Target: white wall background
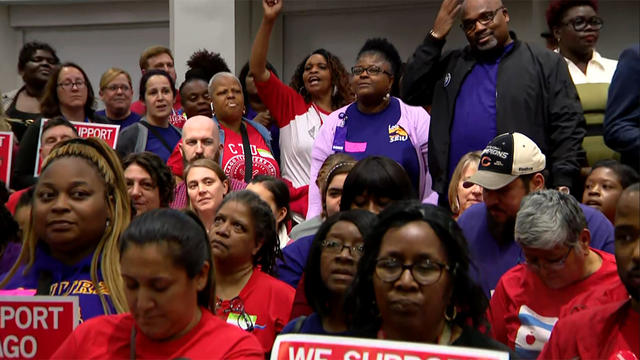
x=98, y=34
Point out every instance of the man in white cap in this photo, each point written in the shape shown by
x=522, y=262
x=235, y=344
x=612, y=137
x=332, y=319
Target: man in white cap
x=511, y=166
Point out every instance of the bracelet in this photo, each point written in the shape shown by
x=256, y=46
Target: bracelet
x=434, y=35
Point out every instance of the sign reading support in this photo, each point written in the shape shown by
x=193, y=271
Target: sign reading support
x=107, y=132
x=33, y=327
x=6, y=152
x=316, y=347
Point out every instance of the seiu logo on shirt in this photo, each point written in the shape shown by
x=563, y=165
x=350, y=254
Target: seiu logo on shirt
x=533, y=333
x=397, y=133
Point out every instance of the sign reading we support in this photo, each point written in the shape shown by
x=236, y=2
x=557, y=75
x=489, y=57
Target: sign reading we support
x=33, y=327
x=316, y=347
x=6, y=152
x=107, y=132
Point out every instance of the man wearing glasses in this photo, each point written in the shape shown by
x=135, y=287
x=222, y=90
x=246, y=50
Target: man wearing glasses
x=494, y=85
x=560, y=266
x=576, y=28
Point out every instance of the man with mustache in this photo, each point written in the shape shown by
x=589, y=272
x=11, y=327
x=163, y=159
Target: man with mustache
x=609, y=331
x=200, y=140
x=511, y=166
x=494, y=85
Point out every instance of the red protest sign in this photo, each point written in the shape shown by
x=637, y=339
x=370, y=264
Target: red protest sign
x=6, y=152
x=315, y=347
x=33, y=327
x=107, y=132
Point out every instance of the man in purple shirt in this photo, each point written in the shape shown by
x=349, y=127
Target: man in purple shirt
x=511, y=166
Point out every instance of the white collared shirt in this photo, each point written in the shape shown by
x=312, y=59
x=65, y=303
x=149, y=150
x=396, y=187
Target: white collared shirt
x=599, y=70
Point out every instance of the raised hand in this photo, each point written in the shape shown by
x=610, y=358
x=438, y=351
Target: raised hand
x=271, y=9
x=447, y=14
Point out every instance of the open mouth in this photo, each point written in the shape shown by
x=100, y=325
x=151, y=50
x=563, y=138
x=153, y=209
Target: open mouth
x=314, y=80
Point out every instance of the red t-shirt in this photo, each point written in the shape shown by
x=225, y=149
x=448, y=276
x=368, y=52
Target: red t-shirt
x=608, y=332
x=267, y=301
x=233, y=154
x=108, y=337
x=523, y=310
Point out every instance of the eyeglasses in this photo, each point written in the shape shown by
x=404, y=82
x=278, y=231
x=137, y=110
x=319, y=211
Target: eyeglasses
x=425, y=272
x=236, y=310
x=69, y=85
x=485, y=18
x=115, y=88
x=550, y=265
x=336, y=247
x=372, y=70
x=580, y=23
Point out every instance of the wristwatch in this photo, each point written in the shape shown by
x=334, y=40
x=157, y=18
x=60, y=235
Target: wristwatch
x=434, y=35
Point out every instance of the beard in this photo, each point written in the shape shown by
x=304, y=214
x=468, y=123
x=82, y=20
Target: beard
x=503, y=232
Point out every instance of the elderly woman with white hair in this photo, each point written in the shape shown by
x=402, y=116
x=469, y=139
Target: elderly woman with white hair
x=559, y=269
x=238, y=133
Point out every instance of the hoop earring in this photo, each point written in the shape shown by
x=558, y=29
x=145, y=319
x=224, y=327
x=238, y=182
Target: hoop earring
x=453, y=316
x=386, y=97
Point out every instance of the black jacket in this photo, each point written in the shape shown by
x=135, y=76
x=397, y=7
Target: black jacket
x=534, y=96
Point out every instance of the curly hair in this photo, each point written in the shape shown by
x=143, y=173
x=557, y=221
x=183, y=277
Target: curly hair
x=208, y=63
x=389, y=52
x=342, y=95
x=50, y=103
x=264, y=228
x=106, y=256
x=29, y=49
x=467, y=297
x=158, y=171
x=557, y=8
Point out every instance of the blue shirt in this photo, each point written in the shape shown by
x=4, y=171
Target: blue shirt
x=474, y=118
x=169, y=134
x=129, y=120
x=295, y=260
x=311, y=324
x=493, y=259
x=378, y=134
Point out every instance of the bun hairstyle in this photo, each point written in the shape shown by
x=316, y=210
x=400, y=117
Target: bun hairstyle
x=384, y=48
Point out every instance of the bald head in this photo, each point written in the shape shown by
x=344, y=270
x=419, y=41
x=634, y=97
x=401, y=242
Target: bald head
x=200, y=139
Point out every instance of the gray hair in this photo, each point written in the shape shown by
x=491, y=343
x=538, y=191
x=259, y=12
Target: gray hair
x=548, y=218
x=219, y=75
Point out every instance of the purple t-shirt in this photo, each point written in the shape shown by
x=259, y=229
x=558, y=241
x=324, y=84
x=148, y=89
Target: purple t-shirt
x=378, y=134
x=131, y=119
x=474, y=119
x=66, y=280
x=492, y=259
x=169, y=134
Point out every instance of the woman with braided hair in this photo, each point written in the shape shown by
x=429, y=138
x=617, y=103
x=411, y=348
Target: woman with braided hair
x=245, y=245
x=80, y=207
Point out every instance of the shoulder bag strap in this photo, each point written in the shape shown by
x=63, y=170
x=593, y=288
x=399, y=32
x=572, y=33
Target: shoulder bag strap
x=248, y=161
x=157, y=134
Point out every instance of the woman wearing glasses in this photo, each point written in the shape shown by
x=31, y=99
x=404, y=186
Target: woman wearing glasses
x=576, y=27
x=561, y=273
x=165, y=261
x=244, y=243
x=333, y=259
x=116, y=93
x=69, y=94
x=413, y=281
x=377, y=123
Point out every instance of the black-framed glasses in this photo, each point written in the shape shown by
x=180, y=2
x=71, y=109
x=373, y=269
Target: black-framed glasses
x=548, y=264
x=336, y=247
x=580, y=23
x=425, y=272
x=68, y=85
x=485, y=19
x=372, y=70
x=236, y=309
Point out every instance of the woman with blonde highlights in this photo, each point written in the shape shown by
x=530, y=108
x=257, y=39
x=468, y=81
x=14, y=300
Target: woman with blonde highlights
x=80, y=207
x=461, y=194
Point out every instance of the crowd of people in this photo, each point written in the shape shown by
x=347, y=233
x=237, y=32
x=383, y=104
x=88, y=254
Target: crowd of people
x=446, y=200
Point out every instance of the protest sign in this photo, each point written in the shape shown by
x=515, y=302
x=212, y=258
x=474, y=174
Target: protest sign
x=6, y=152
x=33, y=327
x=316, y=347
